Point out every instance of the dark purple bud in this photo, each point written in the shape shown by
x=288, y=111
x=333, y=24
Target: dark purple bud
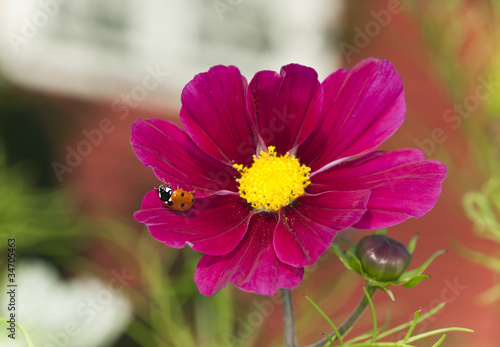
x=383, y=258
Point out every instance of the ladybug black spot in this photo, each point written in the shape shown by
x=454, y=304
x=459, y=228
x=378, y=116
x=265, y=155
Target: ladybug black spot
x=182, y=194
x=170, y=203
x=182, y=205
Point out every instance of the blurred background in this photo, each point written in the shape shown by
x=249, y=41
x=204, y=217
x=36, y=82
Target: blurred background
x=74, y=75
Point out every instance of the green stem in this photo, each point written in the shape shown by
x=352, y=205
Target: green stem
x=349, y=322
x=288, y=318
x=26, y=336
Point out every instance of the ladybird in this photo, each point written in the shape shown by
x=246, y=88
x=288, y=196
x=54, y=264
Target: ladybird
x=177, y=200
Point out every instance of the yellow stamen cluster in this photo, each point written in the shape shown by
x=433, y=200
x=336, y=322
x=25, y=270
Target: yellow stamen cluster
x=273, y=181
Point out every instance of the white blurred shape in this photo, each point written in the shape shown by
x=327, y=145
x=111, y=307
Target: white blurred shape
x=99, y=50
x=84, y=312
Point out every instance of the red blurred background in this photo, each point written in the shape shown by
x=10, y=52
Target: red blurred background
x=111, y=178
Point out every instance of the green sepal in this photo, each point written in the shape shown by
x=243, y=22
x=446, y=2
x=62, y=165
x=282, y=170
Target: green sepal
x=355, y=263
x=408, y=275
x=382, y=285
x=389, y=292
x=371, y=282
x=415, y=280
x=343, y=257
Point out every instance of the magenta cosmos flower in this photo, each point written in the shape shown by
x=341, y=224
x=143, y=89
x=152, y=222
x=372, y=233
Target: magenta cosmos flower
x=279, y=166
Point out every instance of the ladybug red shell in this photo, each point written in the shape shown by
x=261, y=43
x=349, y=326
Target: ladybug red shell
x=177, y=200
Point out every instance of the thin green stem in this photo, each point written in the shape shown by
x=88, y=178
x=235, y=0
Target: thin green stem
x=337, y=334
x=349, y=322
x=288, y=318
x=25, y=334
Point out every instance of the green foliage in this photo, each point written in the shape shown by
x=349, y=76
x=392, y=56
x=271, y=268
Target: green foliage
x=41, y=220
x=483, y=209
x=374, y=337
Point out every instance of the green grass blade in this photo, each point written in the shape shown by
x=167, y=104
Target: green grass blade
x=25, y=334
x=407, y=324
x=374, y=315
x=330, y=340
x=440, y=341
x=438, y=331
x=337, y=334
x=412, y=326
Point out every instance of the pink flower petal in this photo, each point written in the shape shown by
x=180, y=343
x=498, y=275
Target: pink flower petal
x=362, y=108
x=177, y=160
x=214, y=225
x=306, y=228
x=215, y=117
x=284, y=108
x=402, y=185
x=252, y=266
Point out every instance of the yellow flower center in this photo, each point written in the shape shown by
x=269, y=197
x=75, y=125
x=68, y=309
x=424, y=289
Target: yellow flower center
x=273, y=181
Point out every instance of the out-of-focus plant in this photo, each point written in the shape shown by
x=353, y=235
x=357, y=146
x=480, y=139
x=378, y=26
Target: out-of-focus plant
x=41, y=220
x=483, y=208
x=467, y=55
x=463, y=37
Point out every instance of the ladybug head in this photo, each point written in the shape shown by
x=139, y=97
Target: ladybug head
x=164, y=192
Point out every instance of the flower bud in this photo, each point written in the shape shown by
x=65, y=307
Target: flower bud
x=382, y=258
